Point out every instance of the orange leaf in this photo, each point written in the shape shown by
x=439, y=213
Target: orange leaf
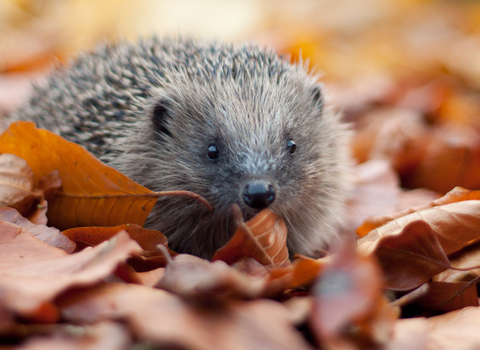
x=166, y=320
x=194, y=278
x=458, y=194
x=408, y=256
x=49, y=235
x=456, y=225
x=149, y=259
x=93, y=193
x=17, y=184
x=33, y=273
x=148, y=239
x=349, y=293
x=262, y=238
x=449, y=296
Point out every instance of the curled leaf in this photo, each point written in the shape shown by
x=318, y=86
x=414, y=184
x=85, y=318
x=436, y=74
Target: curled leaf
x=262, y=238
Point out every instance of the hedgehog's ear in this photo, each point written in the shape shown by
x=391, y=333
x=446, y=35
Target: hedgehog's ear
x=161, y=112
x=317, y=95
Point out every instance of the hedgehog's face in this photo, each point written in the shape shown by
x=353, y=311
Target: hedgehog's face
x=256, y=146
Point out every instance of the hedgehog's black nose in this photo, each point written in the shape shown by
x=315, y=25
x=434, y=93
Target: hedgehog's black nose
x=258, y=194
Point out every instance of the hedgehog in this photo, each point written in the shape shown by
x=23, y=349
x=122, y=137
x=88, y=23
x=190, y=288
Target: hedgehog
x=236, y=124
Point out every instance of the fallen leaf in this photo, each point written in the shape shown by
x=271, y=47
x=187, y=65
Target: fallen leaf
x=451, y=159
x=409, y=334
x=150, y=258
x=263, y=238
x=17, y=188
x=32, y=273
x=49, y=235
x=458, y=194
x=409, y=256
x=103, y=335
x=165, y=319
x=194, y=278
x=100, y=195
x=376, y=190
x=468, y=259
x=455, y=225
x=348, y=294
x=447, y=296
x=147, y=239
x=151, y=278
x=455, y=330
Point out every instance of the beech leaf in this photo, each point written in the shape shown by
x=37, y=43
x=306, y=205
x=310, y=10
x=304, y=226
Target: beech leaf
x=349, y=293
x=93, y=194
x=194, y=278
x=49, y=235
x=263, y=238
x=32, y=273
x=408, y=257
x=456, y=225
x=458, y=194
x=166, y=320
x=17, y=184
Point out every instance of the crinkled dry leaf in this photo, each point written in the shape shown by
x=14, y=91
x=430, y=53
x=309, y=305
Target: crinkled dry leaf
x=33, y=273
x=452, y=159
x=458, y=194
x=376, y=190
x=408, y=257
x=148, y=239
x=409, y=334
x=468, y=259
x=197, y=279
x=100, y=195
x=150, y=258
x=103, y=335
x=165, y=319
x=449, y=296
x=17, y=182
x=263, y=238
x=46, y=234
x=349, y=293
x=455, y=330
x=305, y=270
x=456, y=225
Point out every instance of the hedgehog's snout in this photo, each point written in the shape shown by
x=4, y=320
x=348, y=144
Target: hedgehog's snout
x=258, y=194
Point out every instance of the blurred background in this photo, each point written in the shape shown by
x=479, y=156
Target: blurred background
x=405, y=73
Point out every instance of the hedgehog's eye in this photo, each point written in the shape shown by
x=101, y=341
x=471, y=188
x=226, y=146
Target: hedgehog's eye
x=291, y=146
x=212, y=151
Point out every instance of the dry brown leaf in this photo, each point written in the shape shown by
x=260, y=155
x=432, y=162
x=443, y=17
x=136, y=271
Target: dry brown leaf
x=305, y=270
x=151, y=278
x=150, y=258
x=349, y=293
x=164, y=319
x=468, y=259
x=452, y=159
x=455, y=330
x=194, y=278
x=17, y=182
x=148, y=239
x=408, y=257
x=100, y=195
x=376, y=190
x=409, y=334
x=103, y=335
x=449, y=296
x=456, y=225
x=46, y=234
x=32, y=273
x=458, y=194
x=263, y=238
